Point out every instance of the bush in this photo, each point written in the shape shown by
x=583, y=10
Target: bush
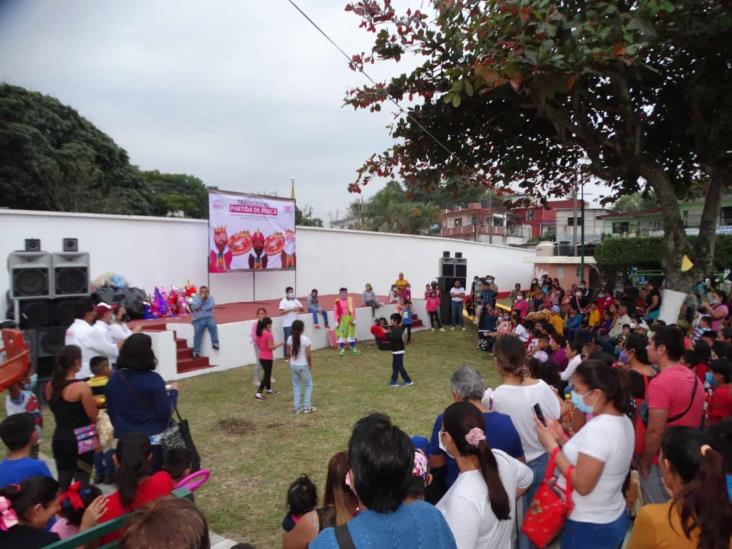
x=614, y=254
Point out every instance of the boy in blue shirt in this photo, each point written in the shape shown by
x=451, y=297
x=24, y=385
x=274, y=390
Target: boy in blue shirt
x=407, y=318
x=18, y=433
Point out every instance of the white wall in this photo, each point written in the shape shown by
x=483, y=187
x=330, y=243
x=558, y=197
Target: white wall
x=150, y=251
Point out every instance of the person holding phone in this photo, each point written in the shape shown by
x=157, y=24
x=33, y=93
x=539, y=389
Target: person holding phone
x=600, y=453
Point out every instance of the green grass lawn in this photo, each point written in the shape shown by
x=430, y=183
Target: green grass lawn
x=255, y=449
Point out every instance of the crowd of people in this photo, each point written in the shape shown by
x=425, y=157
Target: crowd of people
x=627, y=416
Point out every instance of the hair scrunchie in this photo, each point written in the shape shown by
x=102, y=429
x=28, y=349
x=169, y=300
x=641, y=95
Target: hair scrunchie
x=474, y=436
x=8, y=517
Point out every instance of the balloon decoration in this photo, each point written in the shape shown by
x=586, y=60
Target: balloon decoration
x=171, y=302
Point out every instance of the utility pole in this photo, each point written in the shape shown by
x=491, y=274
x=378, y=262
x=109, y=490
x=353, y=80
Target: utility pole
x=574, y=219
x=582, y=241
x=490, y=219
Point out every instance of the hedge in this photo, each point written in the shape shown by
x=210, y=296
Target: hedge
x=646, y=253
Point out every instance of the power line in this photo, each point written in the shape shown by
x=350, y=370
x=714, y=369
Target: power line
x=392, y=99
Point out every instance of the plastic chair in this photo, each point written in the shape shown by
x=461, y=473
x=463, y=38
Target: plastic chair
x=17, y=358
x=194, y=481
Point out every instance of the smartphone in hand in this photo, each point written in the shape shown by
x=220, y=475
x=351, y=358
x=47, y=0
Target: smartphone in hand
x=539, y=414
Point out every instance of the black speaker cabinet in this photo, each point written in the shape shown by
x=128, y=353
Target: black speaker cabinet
x=36, y=313
x=30, y=274
x=70, y=244
x=46, y=342
x=32, y=244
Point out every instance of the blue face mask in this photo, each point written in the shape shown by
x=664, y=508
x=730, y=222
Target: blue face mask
x=623, y=357
x=709, y=376
x=579, y=403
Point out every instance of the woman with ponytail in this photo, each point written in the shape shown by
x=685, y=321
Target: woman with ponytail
x=516, y=397
x=699, y=515
x=25, y=510
x=600, y=453
x=301, y=363
x=73, y=406
x=480, y=507
x=135, y=485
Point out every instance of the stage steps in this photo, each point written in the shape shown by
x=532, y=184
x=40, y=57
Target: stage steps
x=185, y=362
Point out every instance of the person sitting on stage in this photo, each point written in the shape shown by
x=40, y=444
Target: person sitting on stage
x=202, y=308
x=345, y=317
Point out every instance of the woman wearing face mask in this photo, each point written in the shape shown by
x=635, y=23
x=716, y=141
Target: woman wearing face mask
x=717, y=309
x=521, y=306
x=699, y=514
x=600, y=452
x=480, y=507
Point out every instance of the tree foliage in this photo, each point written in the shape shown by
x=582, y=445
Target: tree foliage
x=53, y=159
x=177, y=194
x=306, y=218
x=519, y=90
x=636, y=202
x=393, y=210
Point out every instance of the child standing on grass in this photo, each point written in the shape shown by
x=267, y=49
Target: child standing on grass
x=301, y=362
x=266, y=344
x=433, y=308
x=407, y=319
x=396, y=339
x=103, y=461
x=261, y=313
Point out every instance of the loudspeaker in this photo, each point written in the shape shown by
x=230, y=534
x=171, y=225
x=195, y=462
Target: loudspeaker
x=71, y=274
x=458, y=255
x=64, y=311
x=46, y=342
x=445, y=254
x=36, y=313
x=447, y=270
x=30, y=274
x=32, y=244
x=70, y=244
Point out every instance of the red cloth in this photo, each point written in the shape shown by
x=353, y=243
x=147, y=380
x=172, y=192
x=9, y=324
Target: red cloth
x=155, y=486
x=378, y=332
x=720, y=405
x=213, y=264
x=701, y=370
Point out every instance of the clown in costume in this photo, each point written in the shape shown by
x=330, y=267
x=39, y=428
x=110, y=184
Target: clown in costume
x=345, y=317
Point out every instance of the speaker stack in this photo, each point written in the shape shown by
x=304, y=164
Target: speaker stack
x=450, y=269
x=43, y=290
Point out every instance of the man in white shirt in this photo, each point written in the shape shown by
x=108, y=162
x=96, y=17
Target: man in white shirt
x=76, y=333
x=457, y=296
x=100, y=338
x=289, y=308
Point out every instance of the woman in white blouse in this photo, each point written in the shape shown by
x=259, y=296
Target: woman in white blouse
x=118, y=328
x=480, y=506
x=600, y=453
x=516, y=396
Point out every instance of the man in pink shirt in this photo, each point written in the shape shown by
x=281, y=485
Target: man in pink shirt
x=675, y=397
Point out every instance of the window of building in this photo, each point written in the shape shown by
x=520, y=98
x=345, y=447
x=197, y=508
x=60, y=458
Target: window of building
x=498, y=221
x=571, y=221
x=621, y=227
x=529, y=215
x=725, y=216
x=655, y=225
x=458, y=222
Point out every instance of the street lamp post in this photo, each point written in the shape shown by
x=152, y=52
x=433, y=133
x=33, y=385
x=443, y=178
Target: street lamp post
x=582, y=230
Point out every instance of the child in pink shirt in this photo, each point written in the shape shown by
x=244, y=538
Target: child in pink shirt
x=265, y=343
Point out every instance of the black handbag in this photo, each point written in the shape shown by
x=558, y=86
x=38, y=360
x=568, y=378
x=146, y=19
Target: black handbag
x=177, y=435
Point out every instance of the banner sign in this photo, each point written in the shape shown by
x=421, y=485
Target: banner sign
x=250, y=233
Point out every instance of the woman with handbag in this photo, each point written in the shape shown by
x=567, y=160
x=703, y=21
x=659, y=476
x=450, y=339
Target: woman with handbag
x=75, y=412
x=138, y=401
x=599, y=454
x=480, y=506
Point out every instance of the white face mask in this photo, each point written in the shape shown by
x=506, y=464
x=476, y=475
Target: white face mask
x=290, y=295
x=519, y=297
x=578, y=294
x=442, y=445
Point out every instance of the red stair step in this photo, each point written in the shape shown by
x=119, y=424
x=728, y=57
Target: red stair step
x=192, y=364
x=184, y=353
x=181, y=343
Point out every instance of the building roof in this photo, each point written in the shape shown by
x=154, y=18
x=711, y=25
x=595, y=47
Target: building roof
x=558, y=260
x=643, y=213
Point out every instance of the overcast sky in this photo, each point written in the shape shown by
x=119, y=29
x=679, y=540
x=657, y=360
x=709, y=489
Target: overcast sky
x=243, y=94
